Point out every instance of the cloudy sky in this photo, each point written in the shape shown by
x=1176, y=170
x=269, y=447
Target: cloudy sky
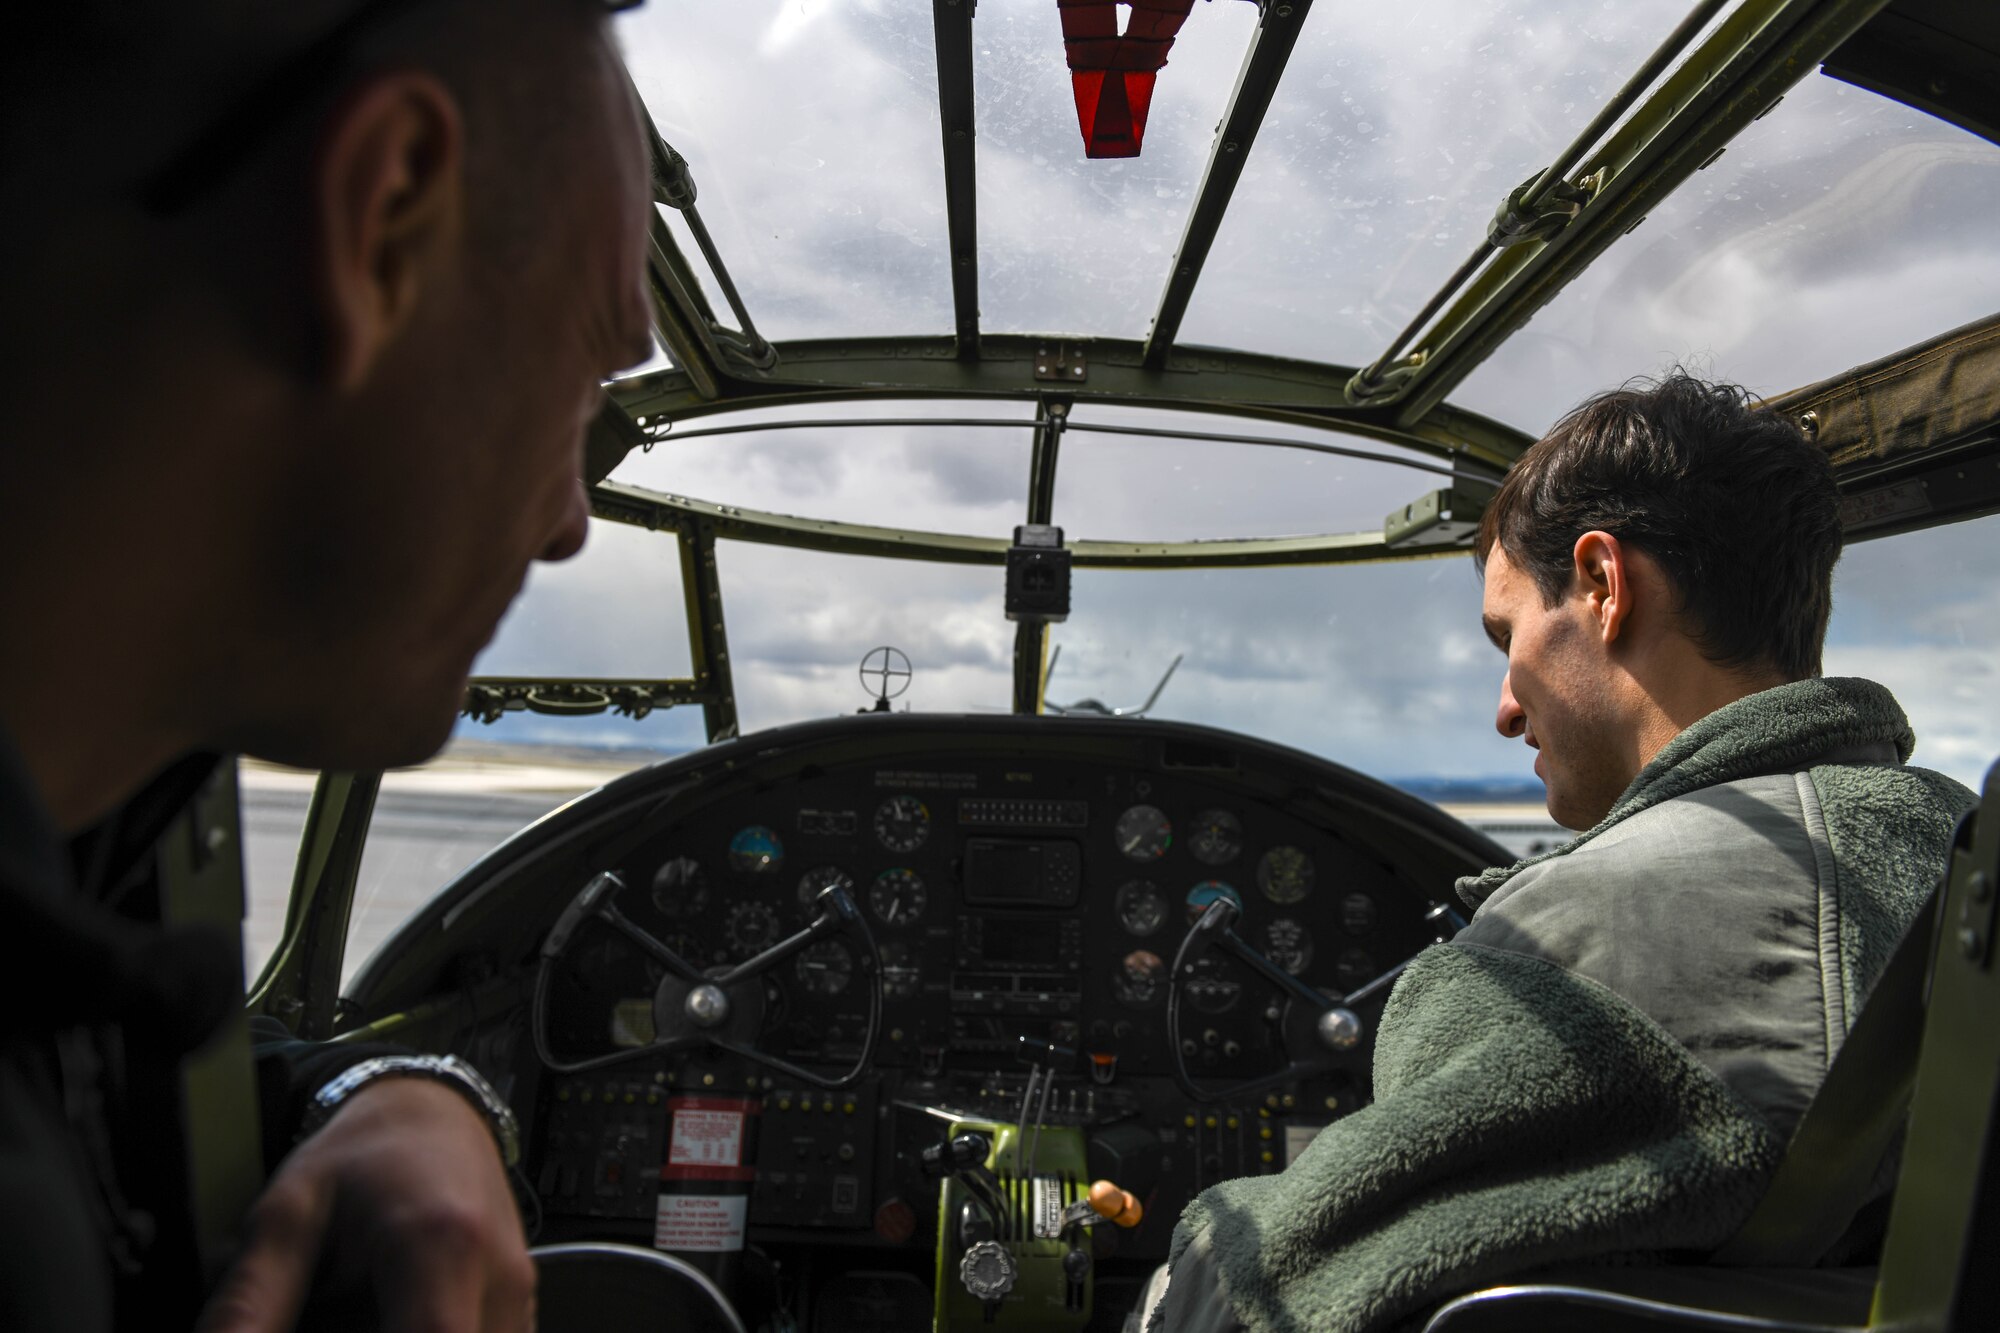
x=1839, y=228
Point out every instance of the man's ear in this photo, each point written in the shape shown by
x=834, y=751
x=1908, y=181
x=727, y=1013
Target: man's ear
x=388, y=212
x=1602, y=572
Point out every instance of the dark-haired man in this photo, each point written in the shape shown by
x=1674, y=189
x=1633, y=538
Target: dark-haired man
x=1606, y=1062
x=308, y=305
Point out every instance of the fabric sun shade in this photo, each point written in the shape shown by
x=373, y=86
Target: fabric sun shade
x=1112, y=73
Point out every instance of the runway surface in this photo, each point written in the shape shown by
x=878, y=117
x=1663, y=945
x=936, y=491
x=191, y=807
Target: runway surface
x=429, y=825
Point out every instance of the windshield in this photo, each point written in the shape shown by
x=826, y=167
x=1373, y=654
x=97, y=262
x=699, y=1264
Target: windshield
x=1838, y=227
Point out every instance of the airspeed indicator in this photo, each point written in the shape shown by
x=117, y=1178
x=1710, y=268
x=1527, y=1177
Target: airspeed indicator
x=1144, y=833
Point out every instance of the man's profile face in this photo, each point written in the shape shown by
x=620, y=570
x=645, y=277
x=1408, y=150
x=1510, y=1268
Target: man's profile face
x=426, y=519
x=1556, y=694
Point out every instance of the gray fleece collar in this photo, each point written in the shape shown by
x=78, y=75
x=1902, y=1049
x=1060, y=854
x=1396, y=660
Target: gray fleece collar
x=1838, y=719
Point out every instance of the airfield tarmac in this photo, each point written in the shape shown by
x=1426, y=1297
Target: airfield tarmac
x=432, y=822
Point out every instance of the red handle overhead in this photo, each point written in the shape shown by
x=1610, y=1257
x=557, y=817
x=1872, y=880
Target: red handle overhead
x=1112, y=73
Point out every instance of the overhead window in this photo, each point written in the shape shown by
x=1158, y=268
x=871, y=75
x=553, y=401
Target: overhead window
x=1071, y=245
x=811, y=131
x=914, y=474
x=1839, y=228
x=1112, y=487
x=1393, y=136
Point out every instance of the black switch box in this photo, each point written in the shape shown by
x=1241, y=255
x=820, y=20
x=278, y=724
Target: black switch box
x=1038, y=568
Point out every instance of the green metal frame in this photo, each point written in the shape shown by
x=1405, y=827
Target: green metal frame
x=1278, y=29
x=300, y=985
x=711, y=686
x=200, y=862
x=952, y=21
x=1194, y=379
x=644, y=508
x=1753, y=57
x=1031, y=636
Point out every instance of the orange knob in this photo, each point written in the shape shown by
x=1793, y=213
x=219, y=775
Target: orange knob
x=1108, y=1201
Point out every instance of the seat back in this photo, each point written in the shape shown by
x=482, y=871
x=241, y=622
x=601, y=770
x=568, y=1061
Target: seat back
x=599, y=1287
x=1944, y=1217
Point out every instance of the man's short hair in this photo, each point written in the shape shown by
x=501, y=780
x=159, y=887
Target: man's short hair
x=1730, y=498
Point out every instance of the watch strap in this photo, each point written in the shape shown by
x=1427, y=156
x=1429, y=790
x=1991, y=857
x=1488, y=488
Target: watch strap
x=446, y=1069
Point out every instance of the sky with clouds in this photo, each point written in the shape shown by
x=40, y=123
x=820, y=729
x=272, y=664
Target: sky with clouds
x=1839, y=228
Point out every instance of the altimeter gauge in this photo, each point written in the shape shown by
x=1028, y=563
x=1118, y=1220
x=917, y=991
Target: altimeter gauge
x=1144, y=833
x=902, y=823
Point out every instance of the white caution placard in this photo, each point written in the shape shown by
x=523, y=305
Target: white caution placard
x=701, y=1223
x=706, y=1138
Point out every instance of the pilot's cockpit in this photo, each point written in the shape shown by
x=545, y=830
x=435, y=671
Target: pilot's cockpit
x=981, y=784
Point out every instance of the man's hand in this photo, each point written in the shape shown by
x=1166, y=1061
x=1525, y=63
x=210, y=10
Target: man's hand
x=397, y=1214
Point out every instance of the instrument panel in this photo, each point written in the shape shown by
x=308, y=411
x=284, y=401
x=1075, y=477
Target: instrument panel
x=1006, y=897
x=1022, y=879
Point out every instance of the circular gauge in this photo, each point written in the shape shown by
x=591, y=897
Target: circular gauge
x=825, y=968
x=680, y=888
x=902, y=823
x=1357, y=914
x=1144, y=833
x=1353, y=967
x=1206, y=892
x=896, y=897
x=1216, y=838
x=899, y=970
x=756, y=850
x=1212, y=989
x=815, y=882
x=1139, y=977
x=1285, y=874
x=750, y=927
x=1142, y=909
x=1288, y=944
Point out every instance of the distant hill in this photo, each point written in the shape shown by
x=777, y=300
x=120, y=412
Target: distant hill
x=1473, y=791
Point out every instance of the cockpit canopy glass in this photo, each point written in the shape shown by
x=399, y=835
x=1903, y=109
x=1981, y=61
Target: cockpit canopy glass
x=1838, y=229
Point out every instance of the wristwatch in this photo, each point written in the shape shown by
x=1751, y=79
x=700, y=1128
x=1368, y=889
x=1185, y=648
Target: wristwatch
x=447, y=1069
